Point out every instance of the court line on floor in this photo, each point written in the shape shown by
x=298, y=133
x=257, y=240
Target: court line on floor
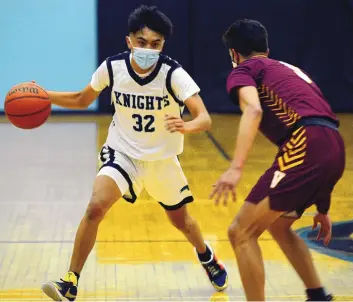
x=218, y=146
x=139, y=241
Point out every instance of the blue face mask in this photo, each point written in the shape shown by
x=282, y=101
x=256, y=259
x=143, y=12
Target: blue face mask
x=145, y=58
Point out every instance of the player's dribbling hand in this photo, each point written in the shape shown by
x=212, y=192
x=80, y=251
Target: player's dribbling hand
x=174, y=124
x=325, y=230
x=226, y=185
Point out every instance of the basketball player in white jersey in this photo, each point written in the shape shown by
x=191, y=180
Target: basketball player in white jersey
x=149, y=92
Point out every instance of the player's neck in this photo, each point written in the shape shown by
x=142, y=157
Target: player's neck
x=139, y=70
x=259, y=56
x=255, y=55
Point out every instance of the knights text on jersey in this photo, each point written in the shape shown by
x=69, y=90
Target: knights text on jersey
x=141, y=104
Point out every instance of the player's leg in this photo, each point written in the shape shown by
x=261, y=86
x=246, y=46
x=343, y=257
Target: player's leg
x=185, y=223
x=243, y=233
x=165, y=181
x=105, y=194
x=324, y=170
x=299, y=256
x=296, y=177
x=255, y=216
x=111, y=180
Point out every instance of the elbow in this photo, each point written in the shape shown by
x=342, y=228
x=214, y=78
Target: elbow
x=255, y=112
x=81, y=103
x=208, y=123
x=205, y=121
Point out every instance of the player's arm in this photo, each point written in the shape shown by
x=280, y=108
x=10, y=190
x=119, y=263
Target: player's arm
x=241, y=87
x=249, y=125
x=248, y=128
x=74, y=100
x=325, y=230
x=187, y=92
x=85, y=97
x=201, y=120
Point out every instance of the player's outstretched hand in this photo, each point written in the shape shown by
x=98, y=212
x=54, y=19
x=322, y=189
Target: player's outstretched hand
x=226, y=185
x=174, y=124
x=325, y=231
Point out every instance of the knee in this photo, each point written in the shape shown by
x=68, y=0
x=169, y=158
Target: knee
x=238, y=235
x=95, y=211
x=235, y=234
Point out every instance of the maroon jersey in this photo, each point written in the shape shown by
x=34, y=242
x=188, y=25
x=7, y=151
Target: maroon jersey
x=286, y=93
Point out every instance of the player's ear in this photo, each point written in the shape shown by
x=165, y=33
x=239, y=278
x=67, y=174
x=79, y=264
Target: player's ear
x=236, y=57
x=162, y=47
x=231, y=53
x=128, y=42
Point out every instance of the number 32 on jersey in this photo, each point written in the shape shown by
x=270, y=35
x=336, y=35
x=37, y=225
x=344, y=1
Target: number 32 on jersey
x=144, y=123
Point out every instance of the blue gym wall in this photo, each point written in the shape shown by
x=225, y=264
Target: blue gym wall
x=59, y=43
x=51, y=41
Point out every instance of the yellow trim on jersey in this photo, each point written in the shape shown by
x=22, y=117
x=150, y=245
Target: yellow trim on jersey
x=294, y=150
x=287, y=114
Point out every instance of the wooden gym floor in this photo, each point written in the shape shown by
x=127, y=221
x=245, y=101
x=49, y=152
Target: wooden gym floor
x=46, y=181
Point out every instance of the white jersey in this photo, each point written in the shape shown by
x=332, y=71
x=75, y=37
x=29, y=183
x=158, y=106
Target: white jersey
x=141, y=103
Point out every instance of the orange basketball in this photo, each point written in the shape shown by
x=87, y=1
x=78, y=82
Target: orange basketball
x=27, y=105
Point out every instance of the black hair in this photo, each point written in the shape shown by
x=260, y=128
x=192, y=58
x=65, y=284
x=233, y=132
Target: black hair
x=246, y=36
x=151, y=17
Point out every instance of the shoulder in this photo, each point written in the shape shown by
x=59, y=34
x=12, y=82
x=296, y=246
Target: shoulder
x=175, y=72
x=252, y=67
x=118, y=57
x=169, y=62
x=248, y=73
x=171, y=68
x=109, y=63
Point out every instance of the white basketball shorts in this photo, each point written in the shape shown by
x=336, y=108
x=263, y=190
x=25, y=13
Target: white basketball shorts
x=164, y=180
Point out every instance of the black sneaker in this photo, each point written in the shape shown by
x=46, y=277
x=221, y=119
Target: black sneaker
x=216, y=271
x=329, y=297
x=65, y=288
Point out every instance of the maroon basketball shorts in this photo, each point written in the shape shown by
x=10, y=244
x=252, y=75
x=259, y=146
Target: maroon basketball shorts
x=305, y=171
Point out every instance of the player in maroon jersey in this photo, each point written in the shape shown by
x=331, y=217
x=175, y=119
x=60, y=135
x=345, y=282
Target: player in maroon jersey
x=289, y=109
